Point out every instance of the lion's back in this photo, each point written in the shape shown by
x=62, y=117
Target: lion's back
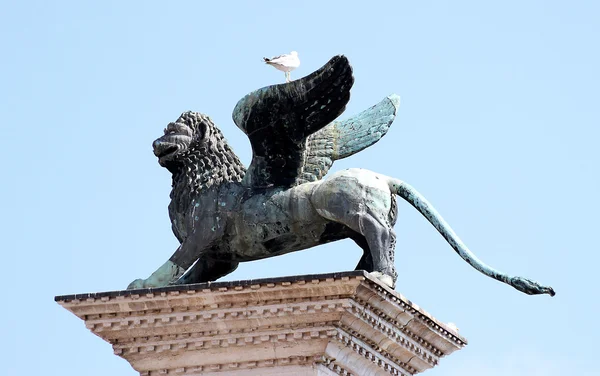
x=351, y=191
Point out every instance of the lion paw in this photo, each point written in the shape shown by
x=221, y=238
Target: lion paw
x=137, y=284
x=145, y=284
x=386, y=279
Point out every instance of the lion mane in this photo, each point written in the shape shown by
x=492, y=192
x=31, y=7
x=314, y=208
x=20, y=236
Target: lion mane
x=208, y=161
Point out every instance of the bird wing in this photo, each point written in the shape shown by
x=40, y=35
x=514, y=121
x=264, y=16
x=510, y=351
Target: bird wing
x=341, y=139
x=280, y=58
x=277, y=57
x=279, y=119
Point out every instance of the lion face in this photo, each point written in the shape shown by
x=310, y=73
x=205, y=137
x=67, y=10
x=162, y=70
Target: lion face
x=178, y=137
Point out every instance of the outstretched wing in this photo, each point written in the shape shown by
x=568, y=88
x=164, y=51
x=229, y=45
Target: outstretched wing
x=342, y=139
x=279, y=119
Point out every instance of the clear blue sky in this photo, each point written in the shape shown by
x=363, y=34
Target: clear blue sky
x=498, y=128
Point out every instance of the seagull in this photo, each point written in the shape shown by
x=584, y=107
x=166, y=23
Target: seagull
x=285, y=63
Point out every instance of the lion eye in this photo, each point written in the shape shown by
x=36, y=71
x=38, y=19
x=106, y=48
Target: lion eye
x=178, y=129
x=184, y=130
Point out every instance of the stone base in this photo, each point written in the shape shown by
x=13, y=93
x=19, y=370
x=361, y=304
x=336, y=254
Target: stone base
x=331, y=324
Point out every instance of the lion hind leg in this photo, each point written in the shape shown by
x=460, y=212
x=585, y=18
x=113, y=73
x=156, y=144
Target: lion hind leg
x=381, y=239
x=377, y=239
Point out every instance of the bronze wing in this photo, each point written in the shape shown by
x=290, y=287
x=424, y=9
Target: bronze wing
x=342, y=139
x=291, y=128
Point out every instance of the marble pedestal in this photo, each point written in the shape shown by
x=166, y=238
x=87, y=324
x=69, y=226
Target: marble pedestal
x=331, y=324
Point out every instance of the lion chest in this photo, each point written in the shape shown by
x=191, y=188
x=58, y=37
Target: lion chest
x=205, y=220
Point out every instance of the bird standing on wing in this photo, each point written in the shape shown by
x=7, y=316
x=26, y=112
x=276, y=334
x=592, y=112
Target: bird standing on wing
x=285, y=63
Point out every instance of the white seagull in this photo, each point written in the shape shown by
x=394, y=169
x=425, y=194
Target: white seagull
x=285, y=63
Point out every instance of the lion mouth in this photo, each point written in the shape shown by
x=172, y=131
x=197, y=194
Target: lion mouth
x=165, y=152
x=169, y=146
x=164, y=148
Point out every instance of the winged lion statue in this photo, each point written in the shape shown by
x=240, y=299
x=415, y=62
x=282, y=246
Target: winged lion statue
x=223, y=214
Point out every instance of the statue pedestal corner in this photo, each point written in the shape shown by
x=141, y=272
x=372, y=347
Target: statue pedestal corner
x=330, y=324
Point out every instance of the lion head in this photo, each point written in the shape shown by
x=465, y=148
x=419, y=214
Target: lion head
x=194, y=148
x=187, y=132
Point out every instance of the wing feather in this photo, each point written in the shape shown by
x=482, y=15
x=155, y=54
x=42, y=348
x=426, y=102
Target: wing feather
x=342, y=139
x=278, y=120
x=292, y=130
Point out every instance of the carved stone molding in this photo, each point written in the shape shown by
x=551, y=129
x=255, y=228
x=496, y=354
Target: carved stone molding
x=331, y=324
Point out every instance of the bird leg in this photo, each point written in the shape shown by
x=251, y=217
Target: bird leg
x=287, y=77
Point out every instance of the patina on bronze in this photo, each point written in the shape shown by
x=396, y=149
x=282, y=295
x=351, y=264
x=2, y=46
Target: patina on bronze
x=223, y=214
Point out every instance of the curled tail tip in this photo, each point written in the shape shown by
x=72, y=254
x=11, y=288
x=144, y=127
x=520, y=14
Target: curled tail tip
x=531, y=287
x=415, y=199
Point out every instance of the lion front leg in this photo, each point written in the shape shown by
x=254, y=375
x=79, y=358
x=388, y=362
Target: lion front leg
x=170, y=271
x=207, y=270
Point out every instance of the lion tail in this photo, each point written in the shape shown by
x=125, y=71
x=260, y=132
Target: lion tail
x=419, y=202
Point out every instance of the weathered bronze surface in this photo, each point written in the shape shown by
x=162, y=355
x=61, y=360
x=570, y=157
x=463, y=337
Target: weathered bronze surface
x=223, y=214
